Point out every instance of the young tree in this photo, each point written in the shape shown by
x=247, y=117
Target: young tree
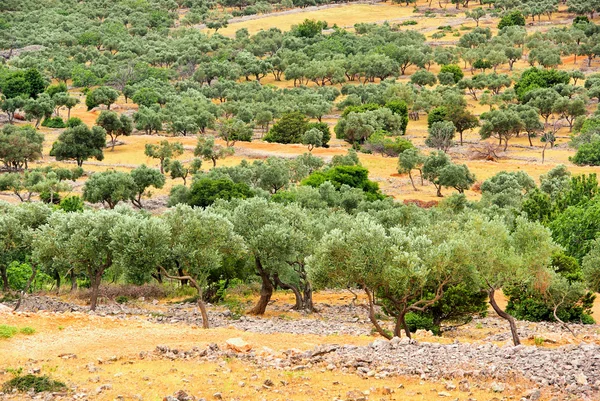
x=164, y=151
x=232, y=130
x=178, y=170
x=10, y=106
x=476, y=14
x=543, y=100
x=38, y=109
x=411, y=159
x=200, y=242
x=103, y=95
x=148, y=119
x=456, y=176
x=433, y=166
x=19, y=146
x=81, y=240
x=144, y=178
x=312, y=138
x=441, y=135
x=462, y=119
x=207, y=149
x=569, y=109
x=502, y=124
x=114, y=125
x=80, y=143
x=393, y=267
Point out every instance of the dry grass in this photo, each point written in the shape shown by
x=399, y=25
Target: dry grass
x=343, y=16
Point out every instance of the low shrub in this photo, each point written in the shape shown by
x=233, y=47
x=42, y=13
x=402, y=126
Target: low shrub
x=53, y=122
x=27, y=330
x=7, y=331
x=416, y=322
x=29, y=382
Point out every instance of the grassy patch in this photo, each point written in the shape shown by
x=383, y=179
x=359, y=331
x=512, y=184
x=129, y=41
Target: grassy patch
x=37, y=383
x=8, y=331
x=27, y=331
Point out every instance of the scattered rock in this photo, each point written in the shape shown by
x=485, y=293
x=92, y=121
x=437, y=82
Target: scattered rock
x=238, y=345
x=497, y=387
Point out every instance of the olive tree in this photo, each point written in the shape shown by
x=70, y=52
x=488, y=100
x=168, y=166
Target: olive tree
x=164, y=151
x=115, y=125
x=83, y=241
x=391, y=266
x=109, y=188
x=200, y=241
x=80, y=143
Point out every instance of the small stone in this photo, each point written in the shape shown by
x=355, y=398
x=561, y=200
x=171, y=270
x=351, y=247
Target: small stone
x=581, y=379
x=450, y=386
x=497, y=387
x=533, y=395
x=268, y=383
x=464, y=386
x=444, y=394
x=217, y=396
x=242, y=384
x=238, y=345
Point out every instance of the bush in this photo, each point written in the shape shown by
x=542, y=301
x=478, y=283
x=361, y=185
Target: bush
x=74, y=122
x=409, y=22
x=360, y=108
x=205, y=191
x=535, y=78
x=352, y=176
x=18, y=274
x=454, y=70
x=29, y=382
x=436, y=115
x=71, y=204
x=511, y=19
x=418, y=322
x=525, y=304
x=289, y=128
x=53, y=122
x=588, y=154
x=122, y=299
x=379, y=143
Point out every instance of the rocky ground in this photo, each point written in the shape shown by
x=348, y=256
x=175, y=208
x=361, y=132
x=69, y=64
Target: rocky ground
x=477, y=356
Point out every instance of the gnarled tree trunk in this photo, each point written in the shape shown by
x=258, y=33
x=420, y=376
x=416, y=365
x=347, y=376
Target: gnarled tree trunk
x=73, y=281
x=4, y=278
x=372, y=316
x=266, y=290
x=504, y=315
x=27, y=286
